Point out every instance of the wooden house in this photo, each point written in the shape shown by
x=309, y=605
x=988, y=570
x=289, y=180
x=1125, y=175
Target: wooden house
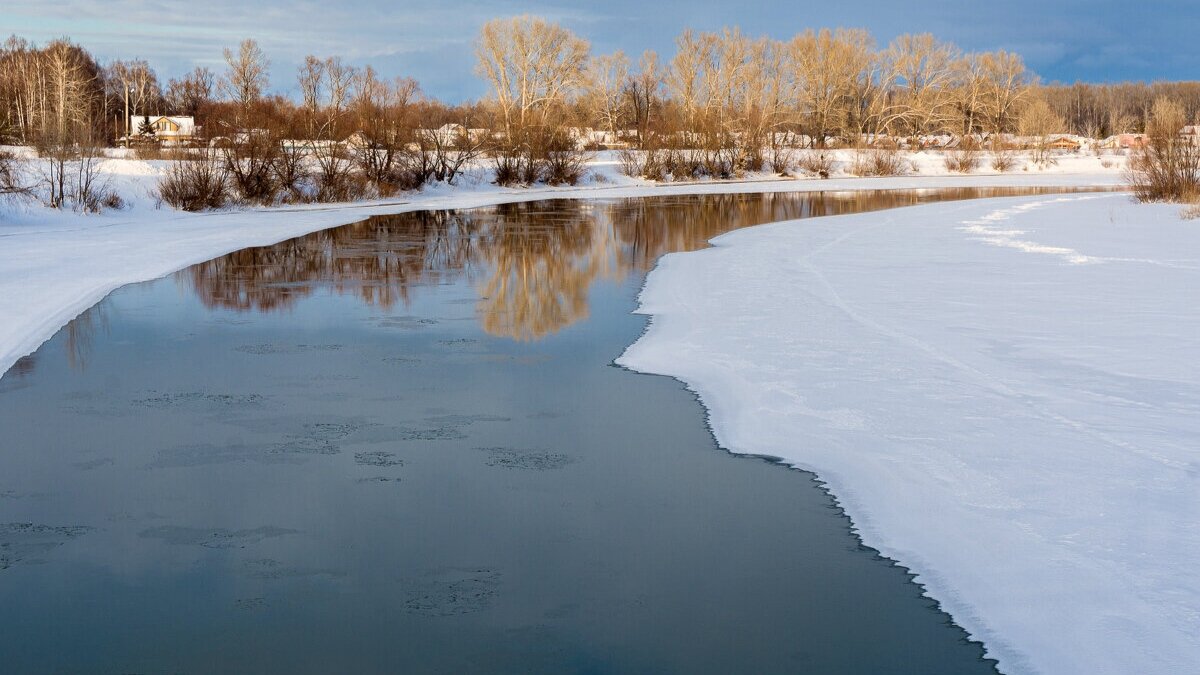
x=165, y=127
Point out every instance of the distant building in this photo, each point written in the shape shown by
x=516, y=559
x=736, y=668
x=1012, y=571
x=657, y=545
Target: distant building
x=449, y=134
x=166, y=127
x=359, y=140
x=1064, y=143
x=1191, y=134
x=1124, y=142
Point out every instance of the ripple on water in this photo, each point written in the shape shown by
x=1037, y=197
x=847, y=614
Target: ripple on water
x=215, y=537
x=269, y=568
x=26, y=542
x=280, y=348
x=377, y=458
x=452, y=592
x=533, y=460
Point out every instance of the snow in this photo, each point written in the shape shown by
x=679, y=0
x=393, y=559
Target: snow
x=1004, y=395
x=55, y=265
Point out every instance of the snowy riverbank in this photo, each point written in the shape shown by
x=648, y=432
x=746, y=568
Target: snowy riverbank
x=54, y=265
x=1003, y=394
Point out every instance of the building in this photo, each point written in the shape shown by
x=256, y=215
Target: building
x=166, y=128
x=450, y=134
x=1124, y=142
x=1064, y=142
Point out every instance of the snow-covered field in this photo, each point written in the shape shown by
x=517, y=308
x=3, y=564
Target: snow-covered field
x=1004, y=395
x=54, y=265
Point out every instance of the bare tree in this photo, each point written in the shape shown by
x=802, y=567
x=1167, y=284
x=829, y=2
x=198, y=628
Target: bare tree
x=1039, y=122
x=922, y=73
x=1006, y=85
x=187, y=95
x=326, y=88
x=246, y=78
x=606, y=90
x=134, y=84
x=643, y=91
x=69, y=138
x=829, y=69
x=532, y=65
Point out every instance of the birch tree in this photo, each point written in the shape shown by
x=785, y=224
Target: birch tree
x=245, y=79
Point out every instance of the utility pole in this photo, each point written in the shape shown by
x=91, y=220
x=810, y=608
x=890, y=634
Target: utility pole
x=127, y=130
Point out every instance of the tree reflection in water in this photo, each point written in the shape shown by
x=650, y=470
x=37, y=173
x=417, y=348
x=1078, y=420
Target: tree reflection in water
x=534, y=262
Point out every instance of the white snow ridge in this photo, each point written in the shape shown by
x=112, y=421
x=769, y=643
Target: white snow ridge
x=1004, y=394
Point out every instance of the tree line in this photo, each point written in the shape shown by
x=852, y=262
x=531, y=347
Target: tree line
x=722, y=103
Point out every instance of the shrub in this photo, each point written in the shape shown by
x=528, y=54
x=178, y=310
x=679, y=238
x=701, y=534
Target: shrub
x=565, y=167
x=682, y=164
x=816, y=163
x=1168, y=168
x=195, y=184
x=512, y=165
x=564, y=162
x=783, y=159
x=11, y=184
x=964, y=160
x=112, y=200
x=290, y=173
x=1003, y=159
x=878, y=162
x=248, y=167
x=337, y=185
x=632, y=162
x=149, y=151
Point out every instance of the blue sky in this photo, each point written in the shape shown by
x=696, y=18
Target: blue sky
x=1067, y=40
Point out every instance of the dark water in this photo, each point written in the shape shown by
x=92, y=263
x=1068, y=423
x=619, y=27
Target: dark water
x=400, y=446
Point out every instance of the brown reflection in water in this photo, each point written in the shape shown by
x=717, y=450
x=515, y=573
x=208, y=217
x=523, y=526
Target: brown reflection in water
x=535, y=261
x=379, y=259
x=541, y=259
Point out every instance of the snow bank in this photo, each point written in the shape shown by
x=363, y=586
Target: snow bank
x=55, y=265
x=1003, y=394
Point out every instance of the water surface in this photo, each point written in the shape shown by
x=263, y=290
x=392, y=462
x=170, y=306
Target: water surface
x=401, y=446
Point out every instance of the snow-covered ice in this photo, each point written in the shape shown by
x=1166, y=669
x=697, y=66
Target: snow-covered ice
x=1003, y=394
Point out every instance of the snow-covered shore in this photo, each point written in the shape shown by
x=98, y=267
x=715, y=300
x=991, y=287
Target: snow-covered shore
x=55, y=265
x=1003, y=394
